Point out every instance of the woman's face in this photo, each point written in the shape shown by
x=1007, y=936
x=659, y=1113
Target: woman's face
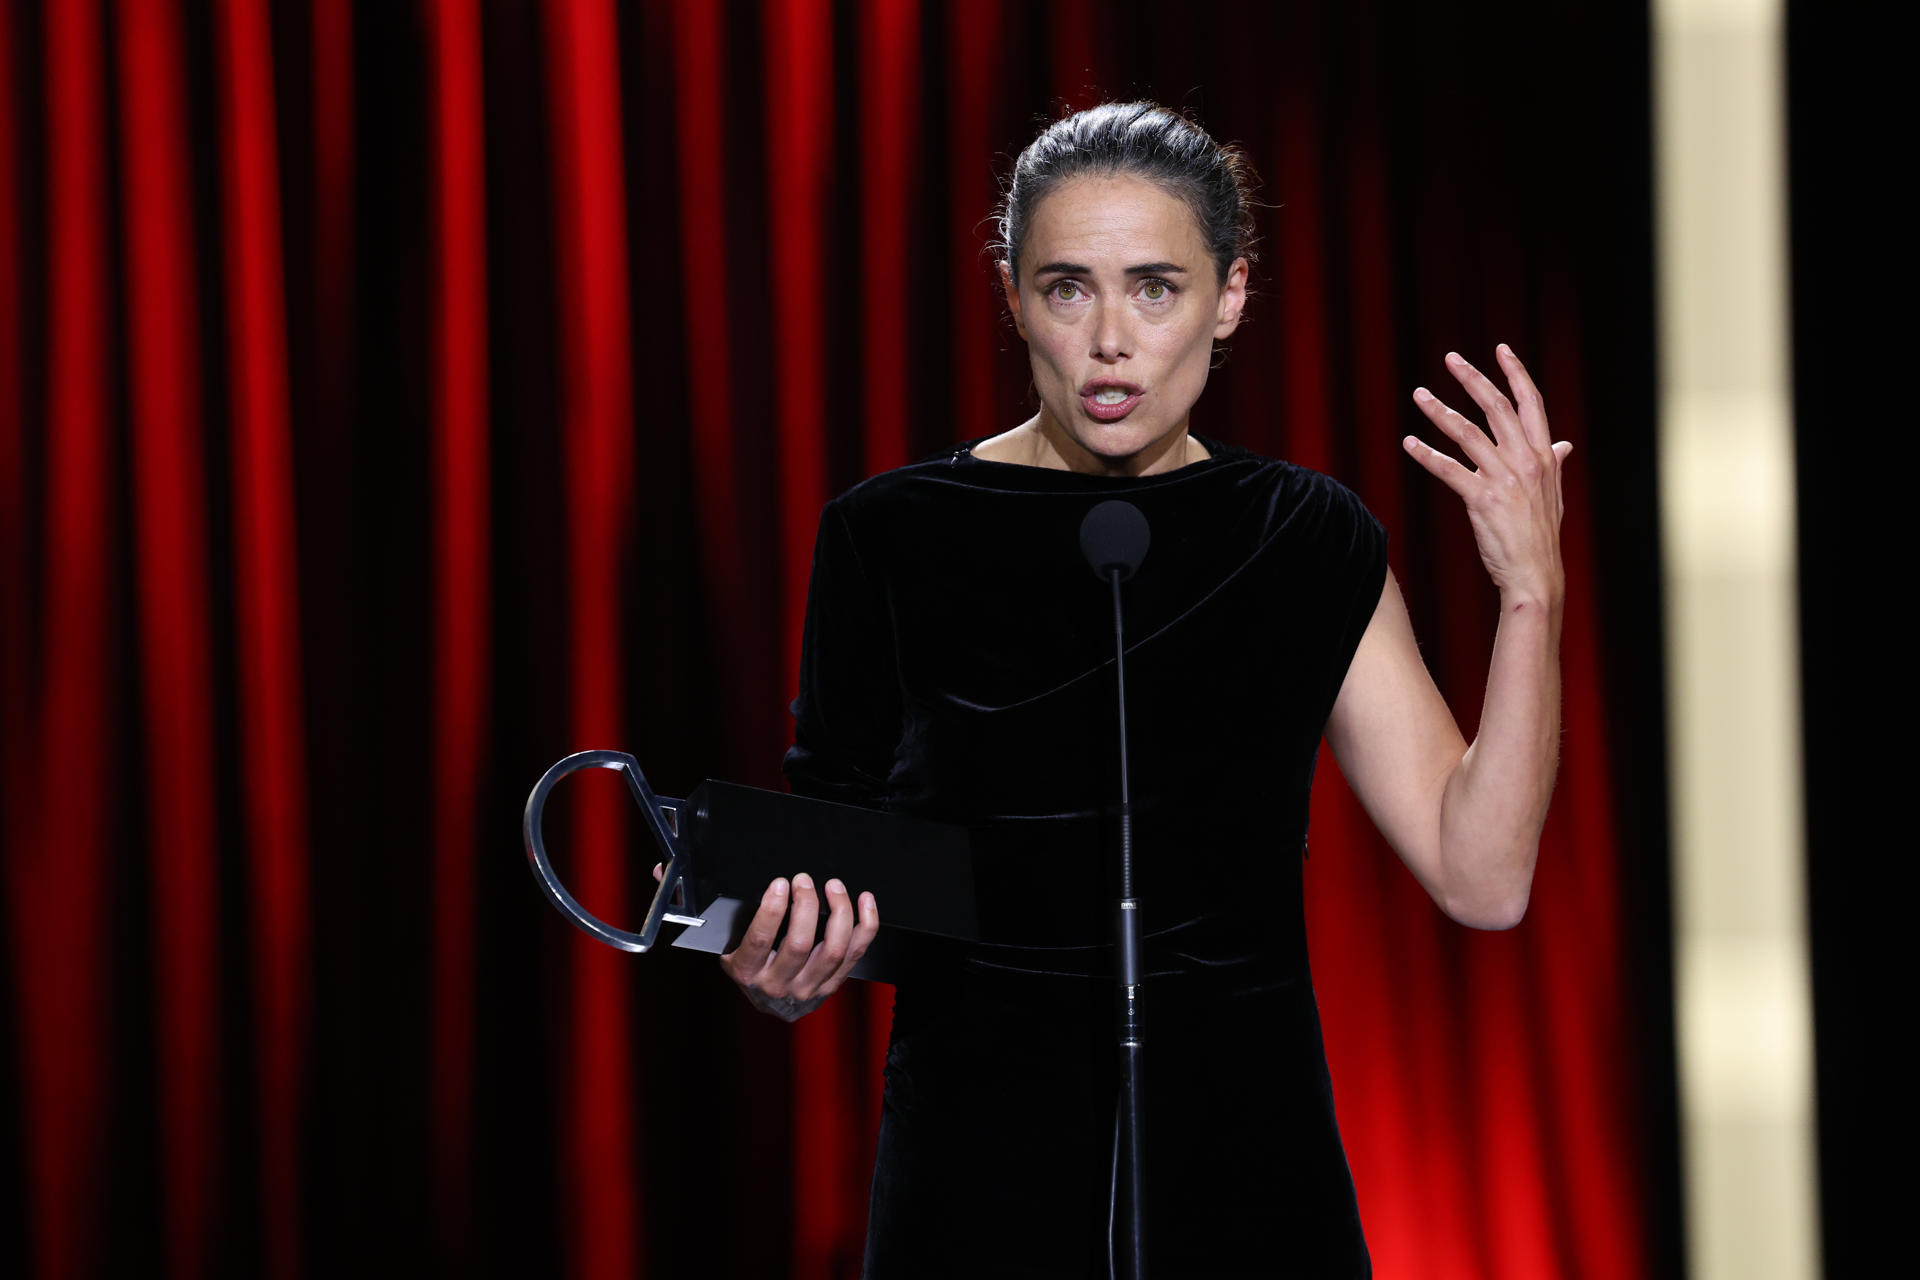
x=1117, y=291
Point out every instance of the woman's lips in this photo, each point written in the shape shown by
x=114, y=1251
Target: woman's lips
x=1110, y=412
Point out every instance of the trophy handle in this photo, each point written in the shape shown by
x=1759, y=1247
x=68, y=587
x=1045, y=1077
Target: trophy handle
x=663, y=817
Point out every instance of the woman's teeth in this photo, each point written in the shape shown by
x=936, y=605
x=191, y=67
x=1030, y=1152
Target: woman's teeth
x=1109, y=395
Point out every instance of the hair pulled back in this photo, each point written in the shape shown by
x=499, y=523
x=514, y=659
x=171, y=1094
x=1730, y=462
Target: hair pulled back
x=1144, y=140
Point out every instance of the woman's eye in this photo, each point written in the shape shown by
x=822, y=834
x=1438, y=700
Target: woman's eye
x=1156, y=290
x=1065, y=290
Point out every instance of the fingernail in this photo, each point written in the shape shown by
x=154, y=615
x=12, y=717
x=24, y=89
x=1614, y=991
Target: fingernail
x=1453, y=357
x=1505, y=350
x=834, y=886
x=779, y=888
x=866, y=900
x=803, y=881
x=1422, y=394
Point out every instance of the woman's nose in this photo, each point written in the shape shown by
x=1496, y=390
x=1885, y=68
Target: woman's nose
x=1110, y=339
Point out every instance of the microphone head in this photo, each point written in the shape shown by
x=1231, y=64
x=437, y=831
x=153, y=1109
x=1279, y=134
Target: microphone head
x=1114, y=536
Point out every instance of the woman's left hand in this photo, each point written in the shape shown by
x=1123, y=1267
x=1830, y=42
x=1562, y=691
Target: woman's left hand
x=1513, y=491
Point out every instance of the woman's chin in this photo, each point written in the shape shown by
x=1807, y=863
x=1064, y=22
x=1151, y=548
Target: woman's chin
x=1116, y=443
x=1117, y=440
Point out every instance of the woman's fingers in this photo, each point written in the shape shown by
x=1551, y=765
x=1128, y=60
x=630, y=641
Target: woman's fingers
x=1501, y=418
x=745, y=963
x=860, y=938
x=794, y=949
x=863, y=935
x=1457, y=427
x=1521, y=442
x=841, y=947
x=1445, y=468
x=1527, y=399
x=822, y=972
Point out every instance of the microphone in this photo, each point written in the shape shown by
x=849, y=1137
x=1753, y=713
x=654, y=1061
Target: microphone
x=1114, y=536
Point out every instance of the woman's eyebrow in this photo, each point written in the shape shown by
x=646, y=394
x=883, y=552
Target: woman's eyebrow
x=1144, y=269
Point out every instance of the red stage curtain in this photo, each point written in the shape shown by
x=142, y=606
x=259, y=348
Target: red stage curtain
x=397, y=397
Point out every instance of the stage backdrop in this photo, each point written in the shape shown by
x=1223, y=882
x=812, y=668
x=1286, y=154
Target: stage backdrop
x=397, y=397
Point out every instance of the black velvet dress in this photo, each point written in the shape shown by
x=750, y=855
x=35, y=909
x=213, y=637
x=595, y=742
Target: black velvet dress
x=958, y=665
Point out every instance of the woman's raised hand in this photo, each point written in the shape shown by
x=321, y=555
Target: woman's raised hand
x=1513, y=491
x=793, y=979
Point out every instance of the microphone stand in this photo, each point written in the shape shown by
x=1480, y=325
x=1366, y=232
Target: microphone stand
x=1131, y=1171
x=1114, y=537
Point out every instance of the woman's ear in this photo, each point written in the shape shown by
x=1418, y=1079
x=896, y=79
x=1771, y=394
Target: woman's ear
x=1233, y=300
x=1013, y=296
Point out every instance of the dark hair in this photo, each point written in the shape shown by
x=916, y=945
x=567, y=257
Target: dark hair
x=1145, y=140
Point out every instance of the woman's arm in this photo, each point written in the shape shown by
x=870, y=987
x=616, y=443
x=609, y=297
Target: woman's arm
x=1466, y=819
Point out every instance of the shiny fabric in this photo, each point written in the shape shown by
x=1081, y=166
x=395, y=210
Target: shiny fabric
x=957, y=664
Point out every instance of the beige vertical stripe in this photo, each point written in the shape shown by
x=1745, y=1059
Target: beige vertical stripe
x=1727, y=510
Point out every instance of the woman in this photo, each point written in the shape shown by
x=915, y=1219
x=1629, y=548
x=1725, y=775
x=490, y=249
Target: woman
x=956, y=666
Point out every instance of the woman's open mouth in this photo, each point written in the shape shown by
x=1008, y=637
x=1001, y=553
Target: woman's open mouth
x=1110, y=401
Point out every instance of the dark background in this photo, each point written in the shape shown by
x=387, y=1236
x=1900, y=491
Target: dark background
x=1853, y=282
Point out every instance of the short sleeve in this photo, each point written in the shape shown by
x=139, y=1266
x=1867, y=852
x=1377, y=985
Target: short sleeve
x=1356, y=543
x=847, y=715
